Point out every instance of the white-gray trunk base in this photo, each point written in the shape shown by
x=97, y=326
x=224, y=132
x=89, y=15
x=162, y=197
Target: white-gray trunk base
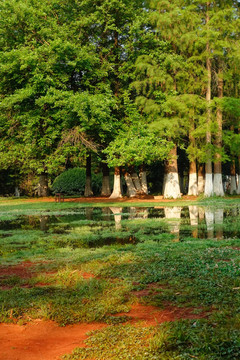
x=208, y=191
x=172, y=188
x=137, y=183
x=200, y=184
x=17, y=192
x=238, y=188
x=143, y=179
x=193, y=185
x=131, y=188
x=233, y=186
x=218, y=185
x=117, y=191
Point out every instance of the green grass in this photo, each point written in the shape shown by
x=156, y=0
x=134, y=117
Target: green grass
x=190, y=271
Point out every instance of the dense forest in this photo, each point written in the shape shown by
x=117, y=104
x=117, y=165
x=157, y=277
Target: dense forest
x=145, y=90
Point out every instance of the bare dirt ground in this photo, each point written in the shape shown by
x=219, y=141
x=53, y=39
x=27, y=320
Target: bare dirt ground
x=45, y=340
x=140, y=199
x=42, y=340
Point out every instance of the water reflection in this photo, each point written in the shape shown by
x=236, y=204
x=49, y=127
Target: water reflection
x=209, y=216
x=89, y=213
x=219, y=215
x=173, y=215
x=126, y=222
x=193, y=214
x=117, y=211
x=44, y=223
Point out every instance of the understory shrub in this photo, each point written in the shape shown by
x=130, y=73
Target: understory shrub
x=73, y=181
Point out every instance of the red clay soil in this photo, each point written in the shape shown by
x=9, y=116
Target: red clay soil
x=22, y=270
x=45, y=340
x=98, y=199
x=42, y=340
x=151, y=315
x=151, y=289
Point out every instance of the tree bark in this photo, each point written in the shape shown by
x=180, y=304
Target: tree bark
x=143, y=179
x=238, y=188
x=137, y=183
x=130, y=185
x=88, y=187
x=193, y=185
x=43, y=189
x=200, y=178
x=233, y=185
x=171, y=181
x=208, y=191
x=218, y=184
x=106, y=191
x=117, y=189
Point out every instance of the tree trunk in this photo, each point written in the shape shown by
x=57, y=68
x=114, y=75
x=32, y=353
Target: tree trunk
x=106, y=191
x=88, y=188
x=208, y=191
x=131, y=188
x=193, y=184
x=117, y=189
x=200, y=178
x=218, y=184
x=238, y=188
x=137, y=183
x=171, y=187
x=143, y=179
x=233, y=186
x=43, y=189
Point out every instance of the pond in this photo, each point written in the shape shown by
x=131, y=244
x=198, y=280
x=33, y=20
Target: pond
x=95, y=227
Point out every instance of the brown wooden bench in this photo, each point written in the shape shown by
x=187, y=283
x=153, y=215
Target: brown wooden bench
x=59, y=197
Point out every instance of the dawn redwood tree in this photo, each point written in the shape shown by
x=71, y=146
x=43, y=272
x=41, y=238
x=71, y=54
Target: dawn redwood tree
x=201, y=31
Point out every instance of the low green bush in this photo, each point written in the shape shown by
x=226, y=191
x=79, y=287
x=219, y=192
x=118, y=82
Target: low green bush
x=73, y=181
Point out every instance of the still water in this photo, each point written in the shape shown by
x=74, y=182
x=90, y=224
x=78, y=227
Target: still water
x=96, y=227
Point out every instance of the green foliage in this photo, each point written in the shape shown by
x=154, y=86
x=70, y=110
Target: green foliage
x=73, y=181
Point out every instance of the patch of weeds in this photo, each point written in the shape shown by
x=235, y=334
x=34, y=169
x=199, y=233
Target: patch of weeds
x=118, y=342
x=196, y=339
x=85, y=301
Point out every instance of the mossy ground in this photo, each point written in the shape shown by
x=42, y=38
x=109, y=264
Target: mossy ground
x=81, y=269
